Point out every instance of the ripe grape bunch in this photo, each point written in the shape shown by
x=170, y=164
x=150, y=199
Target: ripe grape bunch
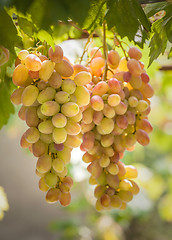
x=102, y=107
x=113, y=121
x=51, y=92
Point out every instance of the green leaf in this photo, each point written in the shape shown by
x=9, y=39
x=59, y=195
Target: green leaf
x=45, y=36
x=95, y=14
x=170, y=53
x=9, y=36
x=168, y=29
x=6, y=106
x=153, y=8
x=27, y=26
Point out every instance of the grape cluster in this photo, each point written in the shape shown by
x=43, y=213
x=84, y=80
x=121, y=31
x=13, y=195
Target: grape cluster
x=51, y=92
x=113, y=121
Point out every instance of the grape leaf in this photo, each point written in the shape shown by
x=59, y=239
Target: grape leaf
x=45, y=36
x=27, y=26
x=127, y=17
x=9, y=36
x=7, y=107
x=153, y=8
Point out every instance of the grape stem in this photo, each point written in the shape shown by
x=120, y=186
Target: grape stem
x=85, y=48
x=121, y=46
x=105, y=49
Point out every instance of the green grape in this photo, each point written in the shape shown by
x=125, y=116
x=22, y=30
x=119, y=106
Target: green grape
x=46, y=138
x=50, y=108
x=142, y=106
x=47, y=94
x=53, y=195
x=107, y=140
x=24, y=143
x=29, y=95
x=131, y=171
x=70, y=109
x=51, y=179
x=31, y=116
x=32, y=135
x=62, y=97
x=55, y=81
x=44, y=164
x=132, y=101
x=39, y=148
x=77, y=117
x=125, y=185
x=46, y=70
x=68, y=85
x=113, y=181
x=59, y=135
x=65, y=154
x=39, y=113
x=59, y=120
x=46, y=127
x=58, y=165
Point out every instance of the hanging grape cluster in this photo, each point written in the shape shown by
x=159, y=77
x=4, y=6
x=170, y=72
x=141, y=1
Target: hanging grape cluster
x=113, y=121
x=51, y=104
x=102, y=107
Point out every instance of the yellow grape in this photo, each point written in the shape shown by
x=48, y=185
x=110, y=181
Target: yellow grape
x=41, y=85
x=105, y=200
x=56, y=55
x=83, y=96
x=31, y=116
x=142, y=106
x=97, y=117
x=32, y=135
x=68, y=85
x=113, y=181
x=46, y=127
x=62, y=97
x=65, y=199
x=125, y=196
x=104, y=161
x=123, y=65
x=96, y=64
x=46, y=94
x=125, y=185
x=82, y=78
x=87, y=115
x=135, y=188
x=20, y=75
x=55, y=81
x=132, y=101
x=46, y=70
x=136, y=82
x=113, y=59
x=108, y=111
x=95, y=52
x=107, y=125
x=58, y=165
x=65, y=154
x=59, y=120
x=51, y=179
x=131, y=171
x=59, y=135
x=32, y=62
x=70, y=109
x=97, y=103
x=16, y=96
x=134, y=67
x=23, y=54
x=29, y=95
x=24, y=143
x=39, y=148
x=42, y=186
x=50, y=108
x=72, y=127
x=107, y=140
x=46, y=138
x=44, y=163
x=53, y=195
x=113, y=168
x=114, y=100
x=64, y=68
x=72, y=141
x=135, y=53
x=115, y=201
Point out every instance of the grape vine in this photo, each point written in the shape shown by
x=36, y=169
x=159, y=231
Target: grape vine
x=101, y=106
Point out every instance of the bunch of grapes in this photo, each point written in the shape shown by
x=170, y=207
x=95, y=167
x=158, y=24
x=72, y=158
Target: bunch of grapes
x=113, y=121
x=51, y=92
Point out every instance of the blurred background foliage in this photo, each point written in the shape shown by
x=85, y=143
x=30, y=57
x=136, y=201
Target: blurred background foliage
x=149, y=215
